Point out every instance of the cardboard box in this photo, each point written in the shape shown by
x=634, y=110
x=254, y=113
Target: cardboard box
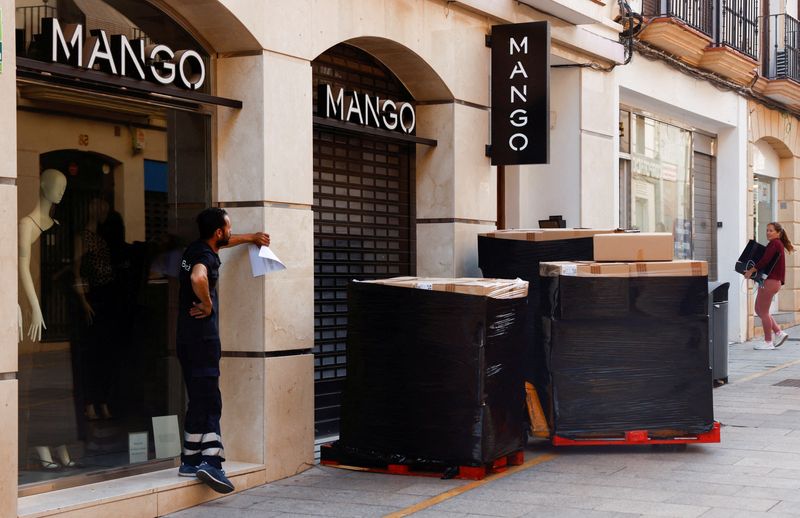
x=644, y=246
x=584, y=269
x=547, y=234
x=680, y=268
x=492, y=288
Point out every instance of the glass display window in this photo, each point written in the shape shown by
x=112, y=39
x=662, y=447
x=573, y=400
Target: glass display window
x=660, y=195
x=108, y=189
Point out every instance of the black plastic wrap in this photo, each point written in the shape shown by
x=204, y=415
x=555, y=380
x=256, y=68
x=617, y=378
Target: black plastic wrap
x=432, y=377
x=509, y=259
x=628, y=354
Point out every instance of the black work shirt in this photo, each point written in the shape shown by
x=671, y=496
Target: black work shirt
x=197, y=339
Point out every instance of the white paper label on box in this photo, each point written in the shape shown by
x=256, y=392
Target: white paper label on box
x=569, y=269
x=167, y=437
x=424, y=286
x=137, y=447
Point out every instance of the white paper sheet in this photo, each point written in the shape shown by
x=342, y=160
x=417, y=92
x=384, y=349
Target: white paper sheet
x=137, y=447
x=166, y=436
x=263, y=261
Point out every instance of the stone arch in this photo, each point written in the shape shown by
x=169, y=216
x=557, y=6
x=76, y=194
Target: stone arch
x=778, y=145
x=419, y=78
x=212, y=24
x=778, y=129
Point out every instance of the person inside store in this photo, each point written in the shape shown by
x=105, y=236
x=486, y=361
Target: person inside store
x=94, y=275
x=779, y=244
x=199, y=348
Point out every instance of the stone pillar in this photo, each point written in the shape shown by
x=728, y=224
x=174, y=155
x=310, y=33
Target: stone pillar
x=789, y=218
x=8, y=269
x=456, y=189
x=264, y=180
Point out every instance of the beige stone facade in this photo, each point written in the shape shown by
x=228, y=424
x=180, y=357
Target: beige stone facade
x=261, y=161
x=780, y=131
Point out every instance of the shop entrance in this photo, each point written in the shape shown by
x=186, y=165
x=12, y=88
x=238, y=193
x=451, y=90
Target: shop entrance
x=363, y=216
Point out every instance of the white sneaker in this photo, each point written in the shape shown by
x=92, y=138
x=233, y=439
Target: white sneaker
x=763, y=346
x=780, y=338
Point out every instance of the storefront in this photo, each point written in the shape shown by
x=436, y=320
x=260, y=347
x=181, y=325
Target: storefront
x=128, y=118
x=682, y=168
x=112, y=165
x=667, y=183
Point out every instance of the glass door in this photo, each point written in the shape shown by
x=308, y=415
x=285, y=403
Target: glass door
x=764, y=211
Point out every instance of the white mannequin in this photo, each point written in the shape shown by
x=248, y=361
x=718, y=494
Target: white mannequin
x=31, y=226
x=53, y=183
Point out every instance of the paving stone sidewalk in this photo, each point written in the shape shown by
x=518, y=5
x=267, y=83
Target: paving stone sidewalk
x=754, y=472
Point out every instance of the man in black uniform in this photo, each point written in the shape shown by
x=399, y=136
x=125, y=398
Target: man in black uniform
x=199, y=348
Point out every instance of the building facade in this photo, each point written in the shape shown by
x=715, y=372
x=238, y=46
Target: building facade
x=734, y=80
x=125, y=118
x=355, y=133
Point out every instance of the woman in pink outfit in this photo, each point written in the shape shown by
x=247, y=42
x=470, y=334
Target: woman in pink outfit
x=779, y=244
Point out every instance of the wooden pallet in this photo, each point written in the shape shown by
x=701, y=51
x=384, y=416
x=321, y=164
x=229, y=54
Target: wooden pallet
x=640, y=437
x=328, y=458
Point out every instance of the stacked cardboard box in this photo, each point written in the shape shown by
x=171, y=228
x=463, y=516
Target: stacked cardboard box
x=433, y=372
x=609, y=310
x=627, y=347
x=492, y=288
x=517, y=253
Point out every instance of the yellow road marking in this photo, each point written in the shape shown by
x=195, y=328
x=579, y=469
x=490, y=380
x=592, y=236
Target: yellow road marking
x=468, y=487
x=768, y=371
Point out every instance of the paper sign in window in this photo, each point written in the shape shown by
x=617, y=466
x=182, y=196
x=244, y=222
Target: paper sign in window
x=167, y=437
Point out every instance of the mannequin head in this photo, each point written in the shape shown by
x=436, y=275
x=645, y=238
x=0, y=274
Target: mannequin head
x=53, y=185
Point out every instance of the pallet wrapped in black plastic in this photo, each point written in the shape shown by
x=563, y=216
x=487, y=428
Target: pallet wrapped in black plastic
x=628, y=354
x=432, y=377
x=511, y=258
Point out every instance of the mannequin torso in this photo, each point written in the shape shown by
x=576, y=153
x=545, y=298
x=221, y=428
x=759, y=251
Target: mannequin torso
x=31, y=227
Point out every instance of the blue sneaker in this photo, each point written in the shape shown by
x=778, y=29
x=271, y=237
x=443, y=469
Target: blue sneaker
x=187, y=470
x=214, y=478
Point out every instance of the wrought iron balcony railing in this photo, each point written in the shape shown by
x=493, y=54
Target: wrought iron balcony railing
x=738, y=26
x=733, y=23
x=698, y=14
x=781, y=58
x=29, y=23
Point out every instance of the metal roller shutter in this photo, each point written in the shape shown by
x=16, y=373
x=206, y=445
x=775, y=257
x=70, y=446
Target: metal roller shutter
x=705, y=218
x=363, y=219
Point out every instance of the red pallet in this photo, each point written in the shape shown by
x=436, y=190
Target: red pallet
x=464, y=472
x=639, y=437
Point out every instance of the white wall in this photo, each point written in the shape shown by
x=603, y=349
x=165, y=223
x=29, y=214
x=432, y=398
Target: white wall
x=554, y=188
x=732, y=212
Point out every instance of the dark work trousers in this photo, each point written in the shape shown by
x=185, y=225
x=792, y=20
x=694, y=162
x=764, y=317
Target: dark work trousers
x=201, y=432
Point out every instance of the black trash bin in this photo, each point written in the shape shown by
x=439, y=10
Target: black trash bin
x=718, y=330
